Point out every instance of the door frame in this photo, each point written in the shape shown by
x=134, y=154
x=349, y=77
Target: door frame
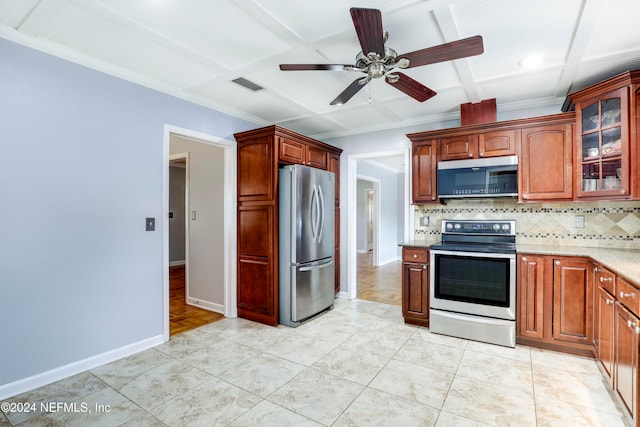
x=230, y=221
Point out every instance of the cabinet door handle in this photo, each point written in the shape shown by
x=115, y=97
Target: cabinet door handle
x=424, y=267
x=415, y=255
x=524, y=258
x=638, y=330
x=631, y=324
x=608, y=279
x=595, y=269
x=623, y=295
x=608, y=301
x=557, y=262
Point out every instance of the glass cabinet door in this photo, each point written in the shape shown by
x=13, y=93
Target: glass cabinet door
x=603, y=126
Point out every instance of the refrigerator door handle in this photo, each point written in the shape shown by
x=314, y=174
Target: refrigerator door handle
x=312, y=210
x=316, y=267
x=322, y=213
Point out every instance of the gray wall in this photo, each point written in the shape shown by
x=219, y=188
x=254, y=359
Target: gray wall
x=84, y=163
x=176, y=206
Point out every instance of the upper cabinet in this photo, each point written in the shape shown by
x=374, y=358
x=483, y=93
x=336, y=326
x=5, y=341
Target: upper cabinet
x=545, y=165
x=477, y=145
x=423, y=179
x=607, y=155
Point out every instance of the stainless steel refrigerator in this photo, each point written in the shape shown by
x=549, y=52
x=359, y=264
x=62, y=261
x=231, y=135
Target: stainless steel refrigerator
x=306, y=243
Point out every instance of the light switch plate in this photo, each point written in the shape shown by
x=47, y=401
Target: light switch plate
x=151, y=224
x=424, y=221
x=578, y=221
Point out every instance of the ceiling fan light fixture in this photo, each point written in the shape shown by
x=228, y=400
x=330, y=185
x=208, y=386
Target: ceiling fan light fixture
x=531, y=61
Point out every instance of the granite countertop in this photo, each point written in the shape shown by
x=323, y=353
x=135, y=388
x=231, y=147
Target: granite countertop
x=418, y=243
x=625, y=262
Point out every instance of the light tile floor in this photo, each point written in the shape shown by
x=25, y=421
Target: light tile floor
x=357, y=365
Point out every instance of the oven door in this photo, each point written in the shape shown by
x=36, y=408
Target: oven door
x=477, y=283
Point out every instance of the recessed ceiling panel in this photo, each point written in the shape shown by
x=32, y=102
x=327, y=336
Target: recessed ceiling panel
x=314, y=20
x=512, y=30
x=311, y=125
x=218, y=30
x=617, y=26
x=263, y=103
x=80, y=29
x=362, y=116
x=540, y=84
x=13, y=12
x=445, y=102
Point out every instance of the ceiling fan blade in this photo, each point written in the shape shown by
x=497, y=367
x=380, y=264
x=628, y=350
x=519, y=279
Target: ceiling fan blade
x=463, y=48
x=414, y=89
x=348, y=93
x=314, y=67
x=368, y=24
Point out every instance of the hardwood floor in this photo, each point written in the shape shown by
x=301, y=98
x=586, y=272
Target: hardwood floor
x=379, y=284
x=182, y=316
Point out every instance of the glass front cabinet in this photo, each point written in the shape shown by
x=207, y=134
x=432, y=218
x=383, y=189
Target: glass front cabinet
x=606, y=129
x=603, y=133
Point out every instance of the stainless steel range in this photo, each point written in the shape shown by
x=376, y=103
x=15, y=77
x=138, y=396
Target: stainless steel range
x=473, y=281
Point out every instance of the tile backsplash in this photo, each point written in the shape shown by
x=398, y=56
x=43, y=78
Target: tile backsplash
x=606, y=224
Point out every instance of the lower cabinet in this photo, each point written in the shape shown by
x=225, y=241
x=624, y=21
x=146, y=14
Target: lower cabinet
x=415, y=285
x=555, y=303
x=625, y=367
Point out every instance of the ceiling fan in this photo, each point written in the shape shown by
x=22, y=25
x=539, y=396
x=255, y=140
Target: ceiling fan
x=375, y=60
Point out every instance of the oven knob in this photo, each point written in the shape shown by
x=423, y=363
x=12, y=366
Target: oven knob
x=505, y=227
x=456, y=226
x=449, y=226
x=496, y=227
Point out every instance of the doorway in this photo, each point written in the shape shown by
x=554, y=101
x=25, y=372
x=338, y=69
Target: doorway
x=205, y=276
x=395, y=221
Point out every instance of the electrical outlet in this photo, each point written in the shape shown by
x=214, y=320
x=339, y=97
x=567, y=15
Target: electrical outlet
x=151, y=224
x=424, y=221
x=578, y=221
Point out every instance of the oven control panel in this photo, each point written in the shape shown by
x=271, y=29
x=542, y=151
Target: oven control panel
x=499, y=227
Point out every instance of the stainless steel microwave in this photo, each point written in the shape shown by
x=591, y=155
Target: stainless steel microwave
x=488, y=177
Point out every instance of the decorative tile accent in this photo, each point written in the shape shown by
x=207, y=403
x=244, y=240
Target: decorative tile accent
x=607, y=224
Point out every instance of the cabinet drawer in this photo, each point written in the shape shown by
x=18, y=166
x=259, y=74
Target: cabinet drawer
x=418, y=255
x=628, y=295
x=605, y=279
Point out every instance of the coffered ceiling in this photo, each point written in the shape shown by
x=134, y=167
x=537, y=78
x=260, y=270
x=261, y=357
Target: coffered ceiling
x=194, y=49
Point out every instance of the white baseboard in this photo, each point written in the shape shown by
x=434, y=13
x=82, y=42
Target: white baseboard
x=57, y=374
x=211, y=306
x=179, y=262
x=389, y=260
x=343, y=295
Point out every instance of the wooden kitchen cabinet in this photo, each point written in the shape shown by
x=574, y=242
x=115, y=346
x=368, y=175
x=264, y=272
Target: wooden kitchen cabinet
x=572, y=300
x=423, y=172
x=607, y=155
x=555, y=302
x=497, y=143
x=415, y=285
x=530, y=296
x=545, y=163
x=478, y=145
x=541, y=144
x=603, y=319
x=459, y=147
x=333, y=165
x=625, y=369
x=260, y=153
